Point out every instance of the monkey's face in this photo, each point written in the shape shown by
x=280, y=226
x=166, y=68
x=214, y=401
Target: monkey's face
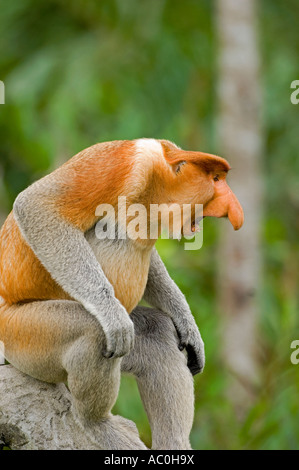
x=199, y=178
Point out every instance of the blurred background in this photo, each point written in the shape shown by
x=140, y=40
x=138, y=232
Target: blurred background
x=210, y=76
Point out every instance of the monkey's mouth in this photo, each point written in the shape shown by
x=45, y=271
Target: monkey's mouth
x=195, y=224
x=192, y=227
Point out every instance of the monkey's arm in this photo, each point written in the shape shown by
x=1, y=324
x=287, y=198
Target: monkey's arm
x=162, y=292
x=62, y=249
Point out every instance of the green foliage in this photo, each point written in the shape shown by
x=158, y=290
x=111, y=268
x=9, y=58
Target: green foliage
x=77, y=73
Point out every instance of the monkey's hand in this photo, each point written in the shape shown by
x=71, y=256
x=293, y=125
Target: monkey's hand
x=190, y=339
x=118, y=329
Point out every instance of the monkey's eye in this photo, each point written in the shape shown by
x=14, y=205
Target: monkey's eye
x=216, y=178
x=178, y=167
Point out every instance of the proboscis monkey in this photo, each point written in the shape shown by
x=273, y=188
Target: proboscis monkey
x=67, y=295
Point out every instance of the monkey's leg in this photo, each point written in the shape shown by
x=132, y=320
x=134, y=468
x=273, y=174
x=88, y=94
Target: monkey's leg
x=57, y=341
x=164, y=380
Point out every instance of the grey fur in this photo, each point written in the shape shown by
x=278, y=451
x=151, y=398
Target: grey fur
x=164, y=380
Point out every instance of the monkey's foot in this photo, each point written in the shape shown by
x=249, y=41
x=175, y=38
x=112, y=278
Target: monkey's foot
x=114, y=433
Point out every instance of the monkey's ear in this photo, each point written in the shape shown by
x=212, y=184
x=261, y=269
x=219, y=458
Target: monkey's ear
x=176, y=167
x=208, y=163
x=211, y=163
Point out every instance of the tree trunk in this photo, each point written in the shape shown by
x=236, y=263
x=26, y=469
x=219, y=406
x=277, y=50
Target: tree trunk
x=35, y=415
x=240, y=141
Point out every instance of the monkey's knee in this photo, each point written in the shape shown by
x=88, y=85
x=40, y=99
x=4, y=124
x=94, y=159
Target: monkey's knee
x=156, y=343
x=153, y=323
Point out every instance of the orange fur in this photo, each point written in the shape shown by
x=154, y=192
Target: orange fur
x=17, y=338
x=225, y=203
x=207, y=162
x=95, y=176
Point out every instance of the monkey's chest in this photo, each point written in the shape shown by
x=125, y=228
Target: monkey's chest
x=125, y=266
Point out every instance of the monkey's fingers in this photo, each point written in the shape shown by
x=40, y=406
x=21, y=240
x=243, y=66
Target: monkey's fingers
x=119, y=339
x=195, y=361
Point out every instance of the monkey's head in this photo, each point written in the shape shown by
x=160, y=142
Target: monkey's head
x=147, y=172
x=196, y=178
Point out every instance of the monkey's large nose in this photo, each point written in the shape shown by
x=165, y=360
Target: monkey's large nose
x=225, y=204
x=235, y=213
